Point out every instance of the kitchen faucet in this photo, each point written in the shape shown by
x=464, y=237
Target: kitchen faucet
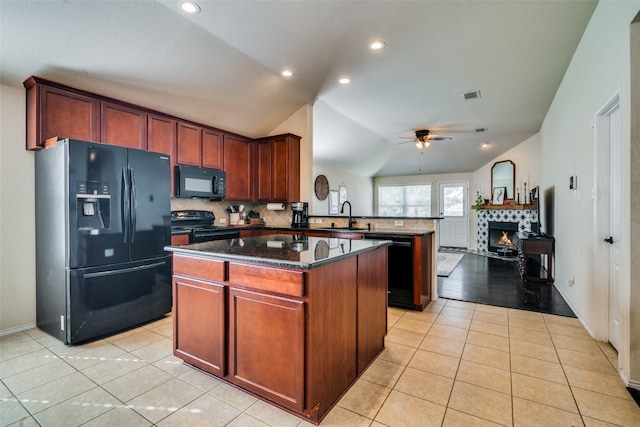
x=352, y=221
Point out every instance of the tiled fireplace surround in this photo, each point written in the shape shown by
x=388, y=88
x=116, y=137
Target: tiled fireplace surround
x=524, y=218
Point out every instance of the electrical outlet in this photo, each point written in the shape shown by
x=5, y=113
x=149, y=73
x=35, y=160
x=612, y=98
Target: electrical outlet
x=312, y=220
x=318, y=220
x=223, y=220
x=572, y=281
x=398, y=223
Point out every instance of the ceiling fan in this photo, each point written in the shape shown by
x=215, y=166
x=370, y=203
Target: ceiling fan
x=424, y=137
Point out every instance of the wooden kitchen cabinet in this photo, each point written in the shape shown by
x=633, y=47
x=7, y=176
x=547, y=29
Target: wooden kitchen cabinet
x=278, y=169
x=199, y=309
x=53, y=111
x=161, y=138
x=267, y=357
x=372, y=310
x=212, y=149
x=123, y=126
x=198, y=146
x=264, y=182
x=247, y=233
x=267, y=169
x=238, y=165
x=189, y=144
x=161, y=135
x=296, y=337
x=179, y=239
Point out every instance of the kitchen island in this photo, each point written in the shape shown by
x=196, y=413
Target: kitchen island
x=291, y=319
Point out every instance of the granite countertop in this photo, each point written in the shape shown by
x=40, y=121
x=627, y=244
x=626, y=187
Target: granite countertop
x=281, y=250
x=378, y=231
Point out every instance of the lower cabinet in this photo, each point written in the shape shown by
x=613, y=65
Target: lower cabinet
x=298, y=338
x=199, y=328
x=267, y=357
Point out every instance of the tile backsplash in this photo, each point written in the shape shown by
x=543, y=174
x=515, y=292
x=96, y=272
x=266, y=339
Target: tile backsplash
x=283, y=218
x=219, y=209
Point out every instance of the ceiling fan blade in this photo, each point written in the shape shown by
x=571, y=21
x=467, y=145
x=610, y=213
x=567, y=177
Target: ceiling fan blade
x=441, y=138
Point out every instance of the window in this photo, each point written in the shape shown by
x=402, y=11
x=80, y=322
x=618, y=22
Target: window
x=405, y=200
x=453, y=200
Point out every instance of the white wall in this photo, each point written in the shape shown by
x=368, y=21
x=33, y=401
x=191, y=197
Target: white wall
x=599, y=68
x=17, y=217
x=358, y=191
x=526, y=157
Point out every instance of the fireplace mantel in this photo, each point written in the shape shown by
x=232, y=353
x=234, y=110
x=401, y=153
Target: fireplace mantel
x=504, y=207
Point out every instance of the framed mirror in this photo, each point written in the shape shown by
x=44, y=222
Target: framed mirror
x=503, y=174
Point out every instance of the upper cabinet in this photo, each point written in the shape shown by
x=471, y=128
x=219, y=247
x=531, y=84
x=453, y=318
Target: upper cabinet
x=212, y=149
x=238, y=164
x=189, y=148
x=199, y=146
x=55, y=112
x=161, y=138
x=123, y=126
x=278, y=169
x=262, y=170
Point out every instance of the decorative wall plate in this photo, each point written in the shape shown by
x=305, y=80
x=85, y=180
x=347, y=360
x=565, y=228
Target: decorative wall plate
x=321, y=187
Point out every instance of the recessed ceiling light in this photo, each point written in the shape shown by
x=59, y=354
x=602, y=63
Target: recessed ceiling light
x=287, y=73
x=345, y=80
x=485, y=145
x=377, y=45
x=189, y=6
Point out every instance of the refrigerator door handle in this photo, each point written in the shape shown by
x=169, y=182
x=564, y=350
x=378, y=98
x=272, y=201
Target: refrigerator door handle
x=124, y=270
x=125, y=205
x=134, y=205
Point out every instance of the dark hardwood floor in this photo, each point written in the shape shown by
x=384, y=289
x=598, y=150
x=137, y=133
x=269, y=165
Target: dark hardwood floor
x=495, y=281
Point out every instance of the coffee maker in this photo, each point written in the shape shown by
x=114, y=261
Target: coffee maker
x=300, y=216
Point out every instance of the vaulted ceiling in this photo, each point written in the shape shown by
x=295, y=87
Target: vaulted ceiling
x=222, y=67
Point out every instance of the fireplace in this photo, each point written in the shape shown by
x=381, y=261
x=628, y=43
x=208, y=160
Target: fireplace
x=503, y=238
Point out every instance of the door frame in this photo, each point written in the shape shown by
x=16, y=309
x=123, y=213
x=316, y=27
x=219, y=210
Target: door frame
x=601, y=219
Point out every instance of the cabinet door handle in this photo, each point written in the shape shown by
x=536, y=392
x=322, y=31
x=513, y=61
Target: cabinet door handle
x=609, y=240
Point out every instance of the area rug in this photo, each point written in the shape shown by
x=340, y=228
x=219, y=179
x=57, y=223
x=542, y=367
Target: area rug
x=447, y=263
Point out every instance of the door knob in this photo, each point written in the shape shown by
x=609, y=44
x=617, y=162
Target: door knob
x=609, y=240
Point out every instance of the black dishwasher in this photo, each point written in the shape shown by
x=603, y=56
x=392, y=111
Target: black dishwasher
x=400, y=269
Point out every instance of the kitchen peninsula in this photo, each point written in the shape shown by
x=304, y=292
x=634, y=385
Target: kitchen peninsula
x=291, y=319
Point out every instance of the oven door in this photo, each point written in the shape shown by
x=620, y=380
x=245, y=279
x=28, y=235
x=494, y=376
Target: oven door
x=198, y=236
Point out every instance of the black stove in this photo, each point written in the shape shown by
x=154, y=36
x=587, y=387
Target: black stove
x=200, y=226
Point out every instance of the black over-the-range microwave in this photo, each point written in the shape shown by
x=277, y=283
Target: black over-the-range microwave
x=200, y=182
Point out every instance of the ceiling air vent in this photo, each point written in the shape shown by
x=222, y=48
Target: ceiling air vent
x=471, y=95
x=481, y=130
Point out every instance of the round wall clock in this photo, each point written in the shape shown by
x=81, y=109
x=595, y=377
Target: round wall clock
x=322, y=187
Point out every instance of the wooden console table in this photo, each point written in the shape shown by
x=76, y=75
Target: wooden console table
x=531, y=247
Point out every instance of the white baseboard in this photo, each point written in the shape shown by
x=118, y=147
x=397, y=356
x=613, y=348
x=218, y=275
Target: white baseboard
x=17, y=329
x=631, y=384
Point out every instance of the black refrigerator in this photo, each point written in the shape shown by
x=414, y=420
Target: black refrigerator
x=102, y=222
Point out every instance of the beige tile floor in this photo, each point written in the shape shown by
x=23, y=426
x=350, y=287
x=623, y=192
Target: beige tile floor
x=455, y=364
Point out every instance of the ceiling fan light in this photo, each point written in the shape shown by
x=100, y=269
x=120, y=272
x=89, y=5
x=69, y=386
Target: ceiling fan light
x=418, y=144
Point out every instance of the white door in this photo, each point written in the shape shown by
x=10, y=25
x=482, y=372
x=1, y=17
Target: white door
x=454, y=207
x=615, y=227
